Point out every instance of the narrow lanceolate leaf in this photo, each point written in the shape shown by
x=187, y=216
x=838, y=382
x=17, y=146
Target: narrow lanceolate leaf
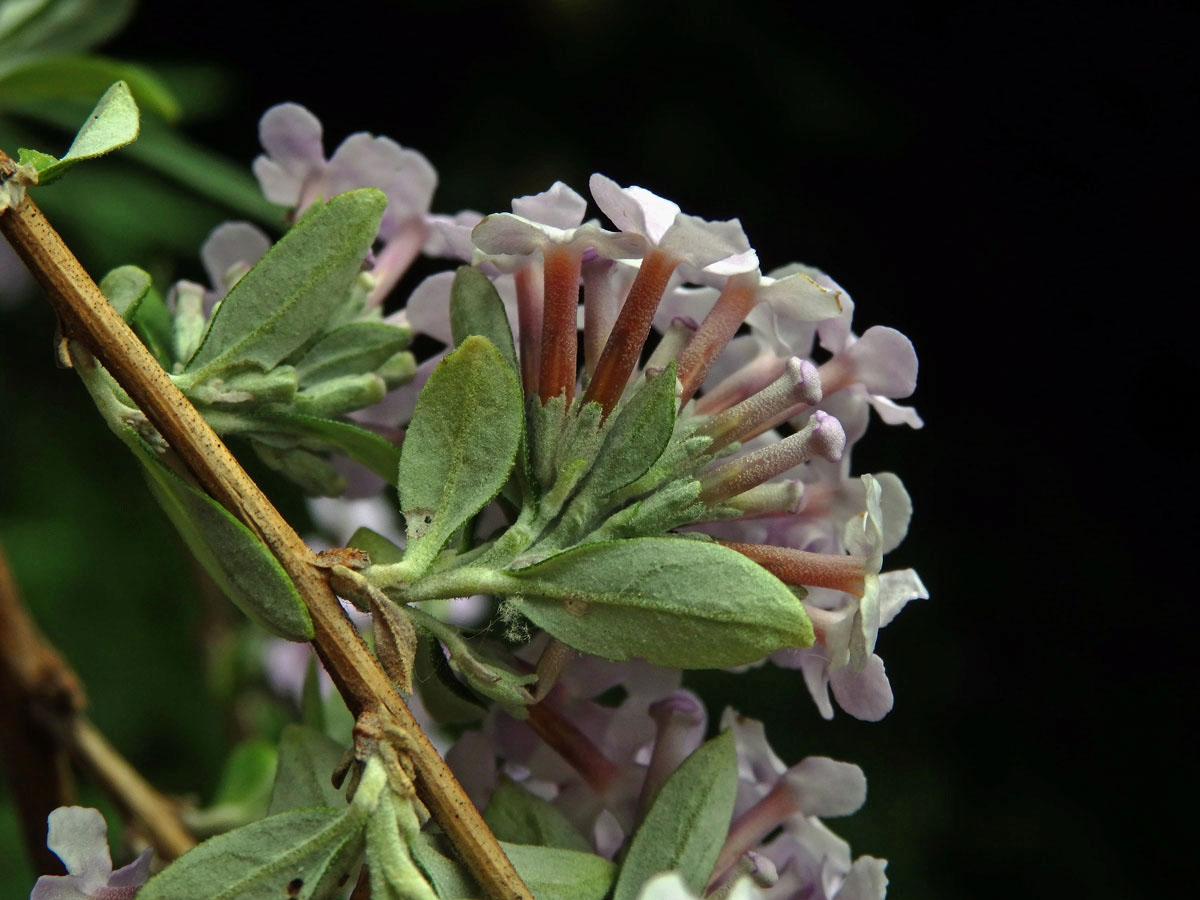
x=476, y=308
x=638, y=437
x=517, y=816
x=675, y=602
x=281, y=303
x=685, y=828
x=307, y=758
x=239, y=563
x=307, y=854
x=351, y=350
x=113, y=123
x=125, y=286
x=460, y=446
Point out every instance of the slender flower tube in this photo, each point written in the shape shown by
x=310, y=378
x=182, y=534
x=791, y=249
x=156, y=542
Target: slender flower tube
x=822, y=436
x=799, y=383
x=673, y=238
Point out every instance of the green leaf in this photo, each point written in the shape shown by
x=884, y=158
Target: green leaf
x=306, y=854
x=159, y=148
x=675, y=602
x=687, y=825
x=382, y=551
x=449, y=878
x=282, y=302
x=33, y=28
x=72, y=78
x=518, y=816
x=248, y=773
x=554, y=874
x=113, y=123
x=242, y=792
x=351, y=350
x=638, y=437
x=35, y=158
x=550, y=873
x=444, y=697
x=125, y=287
x=476, y=308
x=377, y=453
x=151, y=320
x=307, y=758
x=393, y=875
x=234, y=557
x=459, y=448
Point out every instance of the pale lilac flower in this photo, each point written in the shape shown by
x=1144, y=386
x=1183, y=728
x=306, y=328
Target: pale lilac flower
x=864, y=693
x=295, y=173
x=228, y=253
x=812, y=863
x=684, y=238
x=79, y=837
x=551, y=219
x=450, y=236
x=590, y=760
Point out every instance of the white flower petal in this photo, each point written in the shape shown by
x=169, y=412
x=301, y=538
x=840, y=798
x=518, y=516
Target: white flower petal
x=885, y=362
x=866, y=880
x=895, y=590
x=227, y=245
x=78, y=835
x=291, y=135
x=428, y=308
x=866, y=695
x=277, y=184
x=559, y=206
x=825, y=787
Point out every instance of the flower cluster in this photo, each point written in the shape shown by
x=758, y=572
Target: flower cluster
x=799, y=511
x=773, y=388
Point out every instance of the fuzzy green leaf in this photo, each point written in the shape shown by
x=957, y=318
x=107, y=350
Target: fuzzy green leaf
x=460, y=446
x=518, y=816
x=638, y=437
x=125, y=287
x=234, y=557
x=113, y=123
x=282, y=303
x=550, y=873
x=351, y=350
x=476, y=308
x=555, y=874
x=688, y=823
x=307, y=758
x=306, y=854
x=675, y=602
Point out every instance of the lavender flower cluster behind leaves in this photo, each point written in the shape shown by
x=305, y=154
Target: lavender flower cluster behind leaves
x=642, y=510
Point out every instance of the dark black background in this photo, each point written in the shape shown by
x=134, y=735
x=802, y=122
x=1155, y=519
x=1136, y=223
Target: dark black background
x=997, y=181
